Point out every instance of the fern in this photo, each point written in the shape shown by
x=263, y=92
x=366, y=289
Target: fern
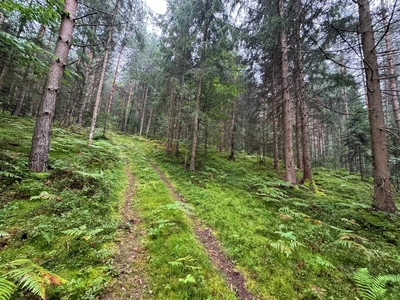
x=44, y=196
x=319, y=261
x=373, y=288
x=7, y=288
x=32, y=277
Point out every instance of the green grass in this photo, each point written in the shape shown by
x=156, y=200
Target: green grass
x=288, y=242
x=177, y=264
x=64, y=220
x=291, y=243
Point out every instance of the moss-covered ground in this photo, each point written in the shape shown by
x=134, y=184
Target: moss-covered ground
x=289, y=242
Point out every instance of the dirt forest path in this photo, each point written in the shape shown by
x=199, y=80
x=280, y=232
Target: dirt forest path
x=221, y=262
x=131, y=279
x=130, y=283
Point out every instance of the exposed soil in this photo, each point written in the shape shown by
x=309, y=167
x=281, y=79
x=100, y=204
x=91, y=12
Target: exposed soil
x=213, y=247
x=130, y=263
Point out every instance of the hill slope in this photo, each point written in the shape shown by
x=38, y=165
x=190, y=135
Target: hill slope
x=287, y=242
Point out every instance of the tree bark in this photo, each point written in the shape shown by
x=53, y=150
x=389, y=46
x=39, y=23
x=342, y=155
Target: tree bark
x=391, y=68
x=290, y=175
x=383, y=198
x=39, y=154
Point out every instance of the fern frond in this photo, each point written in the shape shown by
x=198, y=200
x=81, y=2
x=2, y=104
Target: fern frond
x=33, y=277
x=373, y=288
x=7, y=288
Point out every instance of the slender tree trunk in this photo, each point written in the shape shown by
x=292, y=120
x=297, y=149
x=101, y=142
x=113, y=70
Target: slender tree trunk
x=290, y=175
x=192, y=166
x=110, y=100
x=66, y=121
x=170, y=121
x=383, y=198
x=177, y=128
x=391, y=68
x=232, y=132
x=275, y=134
x=39, y=154
x=103, y=71
x=89, y=82
x=149, y=123
x=128, y=108
x=307, y=166
x=143, y=109
x=299, y=150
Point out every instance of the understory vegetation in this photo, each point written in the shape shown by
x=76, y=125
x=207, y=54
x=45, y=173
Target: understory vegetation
x=290, y=242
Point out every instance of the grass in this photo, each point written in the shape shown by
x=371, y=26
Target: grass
x=63, y=220
x=177, y=264
x=291, y=243
x=288, y=242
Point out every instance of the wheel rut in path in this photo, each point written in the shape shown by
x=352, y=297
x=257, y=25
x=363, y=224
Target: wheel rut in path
x=129, y=283
x=213, y=247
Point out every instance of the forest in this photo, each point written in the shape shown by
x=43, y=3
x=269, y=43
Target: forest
x=215, y=150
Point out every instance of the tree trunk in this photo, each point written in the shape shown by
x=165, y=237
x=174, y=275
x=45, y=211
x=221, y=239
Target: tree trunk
x=192, y=166
x=302, y=112
x=232, y=133
x=110, y=100
x=103, y=71
x=383, y=198
x=170, y=121
x=149, y=123
x=391, y=68
x=128, y=108
x=143, y=109
x=89, y=81
x=177, y=129
x=275, y=135
x=39, y=154
x=290, y=175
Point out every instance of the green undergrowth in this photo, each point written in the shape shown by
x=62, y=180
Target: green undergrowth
x=178, y=266
x=289, y=242
x=65, y=219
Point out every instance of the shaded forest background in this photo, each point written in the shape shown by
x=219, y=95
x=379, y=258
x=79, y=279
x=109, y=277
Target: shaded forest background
x=281, y=79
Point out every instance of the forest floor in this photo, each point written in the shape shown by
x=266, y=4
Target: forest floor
x=122, y=220
x=213, y=247
x=130, y=281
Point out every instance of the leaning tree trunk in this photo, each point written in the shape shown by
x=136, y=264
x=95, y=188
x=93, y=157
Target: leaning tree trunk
x=39, y=154
x=383, y=198
x=290, y=175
